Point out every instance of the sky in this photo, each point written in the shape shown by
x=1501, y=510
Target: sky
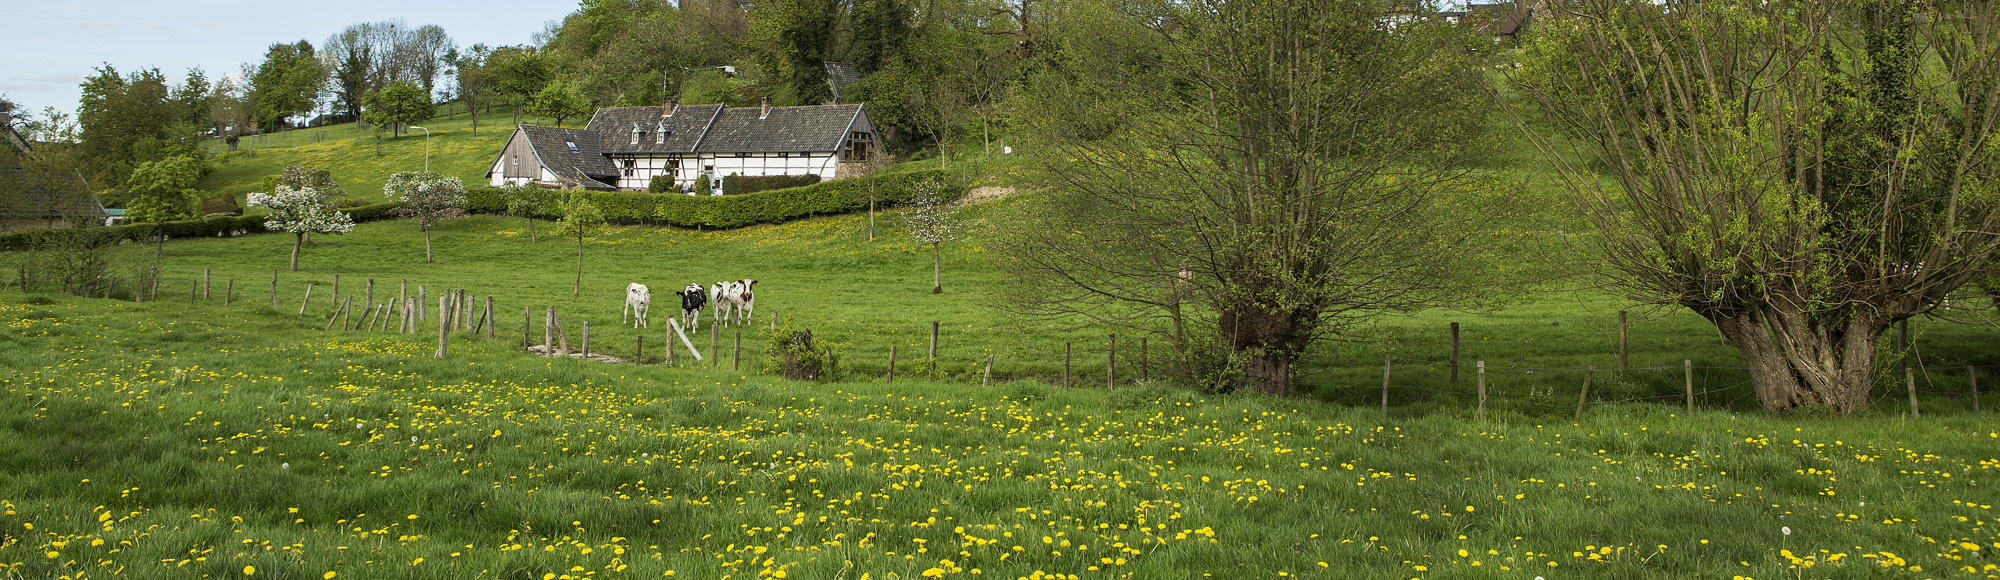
x=50, y=46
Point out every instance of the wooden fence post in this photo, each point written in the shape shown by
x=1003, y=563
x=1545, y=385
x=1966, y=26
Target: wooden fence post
x=335, y=301
x=988, y=377
x=423, y=295
x=639, y=350
x=1689, y=373
x=204, y=283
x=774, y=320
x=933, y=362
x=307, y=301
x=1482, y=390
x=714, y=339
x=736, y=353
x=1454, y=353
x=527, y=327
x=1910, y=378
x=586, y=340
x=549, y=332
x=1066, y=383
x=229, y=291
x=194, y=292
x=335, y=317
x=1583, y=397
x=1385, y=383
x=444, y=328
x=891, y=377
x=1111, y=362
x=1972, y=384
x=674, y=323
x=274, y=290
x=562, y=338
x=1623, y=333
x=345, y=306
x=371, y=291
x=403, y=294
x=488, y=318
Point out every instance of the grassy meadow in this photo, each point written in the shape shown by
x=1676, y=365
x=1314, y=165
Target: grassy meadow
x=220, y=437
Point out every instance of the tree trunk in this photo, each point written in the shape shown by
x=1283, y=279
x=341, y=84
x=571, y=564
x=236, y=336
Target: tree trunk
x=578, y=290
x=298, y=239
x=1268, y=340
x=159, y=238
x=531, y=226
x=937, y=276
x=427, y=244
x=1801, y=361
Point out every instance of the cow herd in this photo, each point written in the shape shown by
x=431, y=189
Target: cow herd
x=727, y=298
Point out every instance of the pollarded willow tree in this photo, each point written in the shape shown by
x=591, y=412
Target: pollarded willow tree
x=428, y=197
x=1803, y=174
x=1249, y=177
x=301, y=211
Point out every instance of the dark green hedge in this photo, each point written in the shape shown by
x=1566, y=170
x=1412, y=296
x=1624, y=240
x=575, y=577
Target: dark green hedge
x=744, y=184
x=730, y=211
x=209, y=227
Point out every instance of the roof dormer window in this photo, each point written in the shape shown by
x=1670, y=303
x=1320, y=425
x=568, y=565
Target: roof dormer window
x=660, y=134
x=572, y=146
x=637, y=134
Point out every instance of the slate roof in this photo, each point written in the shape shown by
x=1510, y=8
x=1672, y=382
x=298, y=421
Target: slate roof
x=552, y=146
x=684, y=128
x=812, y=128
x=839, y=75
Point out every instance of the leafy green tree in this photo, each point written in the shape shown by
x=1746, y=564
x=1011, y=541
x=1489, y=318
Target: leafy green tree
x=560, y=100
x=475, y=82
x=526, y=200
x=287, y=83
x=115, y=114
x=301, y=211
x=582, y=219
x=350, y=63
x=398, y=105
x=428, y=197
x=519, y=73
x=880, y=26
x=1825, y=173
x=165, y=191
x=791, y=39
x=1262, y=176
x=622, y=51
x=192, y=97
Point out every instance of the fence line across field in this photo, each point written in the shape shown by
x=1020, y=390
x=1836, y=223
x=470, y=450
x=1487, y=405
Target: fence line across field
x=457, y=308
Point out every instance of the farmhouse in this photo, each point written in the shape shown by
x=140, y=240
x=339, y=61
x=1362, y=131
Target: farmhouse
x=626, y=148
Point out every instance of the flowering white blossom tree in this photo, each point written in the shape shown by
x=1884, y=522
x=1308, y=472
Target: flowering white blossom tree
x=301, y=211
x=427, y=196
x=933, y=220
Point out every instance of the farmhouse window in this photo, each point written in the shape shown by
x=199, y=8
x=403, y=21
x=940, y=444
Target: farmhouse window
x=858, y=143
x=572, y=146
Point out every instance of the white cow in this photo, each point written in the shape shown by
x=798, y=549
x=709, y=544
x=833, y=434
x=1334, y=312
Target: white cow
x=734, y=297
x=637, y=298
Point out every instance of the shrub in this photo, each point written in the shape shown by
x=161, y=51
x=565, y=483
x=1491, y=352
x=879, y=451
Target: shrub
x=661, y=184
x=742, y=184
x=221, y=203
x=207, y=227
x=702, y=187
x=793, y=352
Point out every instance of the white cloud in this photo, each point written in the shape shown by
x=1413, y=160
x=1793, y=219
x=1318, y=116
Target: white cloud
x=26, y=86
x=98, y=24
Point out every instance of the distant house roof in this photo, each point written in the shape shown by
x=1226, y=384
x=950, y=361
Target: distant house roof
x=683, y=128
x=1500, y=18
x=749, y=130
x=839, y=75
x=582, y=163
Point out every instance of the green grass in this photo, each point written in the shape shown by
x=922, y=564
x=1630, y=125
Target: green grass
x=349, y=154
x=211, y=441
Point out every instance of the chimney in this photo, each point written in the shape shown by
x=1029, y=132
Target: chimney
x=767, y=109
x=670, y=107
x=6, y=115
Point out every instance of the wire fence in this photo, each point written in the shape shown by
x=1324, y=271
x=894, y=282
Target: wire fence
x=406, y=308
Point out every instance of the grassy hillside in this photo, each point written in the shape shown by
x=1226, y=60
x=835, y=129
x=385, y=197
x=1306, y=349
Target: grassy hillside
x=349, y=154
x=160, y=440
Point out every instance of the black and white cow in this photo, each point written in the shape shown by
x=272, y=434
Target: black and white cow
x=692, y=300
x=734, y=297
x=637, y=298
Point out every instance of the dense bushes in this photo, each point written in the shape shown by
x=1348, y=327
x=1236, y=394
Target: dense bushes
x=730, y=211
x=743, y=184
x=208, y=227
